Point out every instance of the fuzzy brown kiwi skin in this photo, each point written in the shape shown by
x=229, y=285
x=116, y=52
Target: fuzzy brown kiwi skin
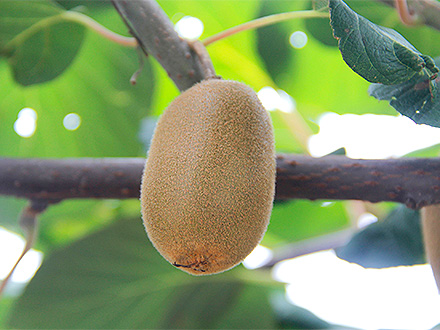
x=209, y=180
x=430, y=216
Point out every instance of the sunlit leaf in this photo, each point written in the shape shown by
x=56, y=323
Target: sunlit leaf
x=96, y=88
x=37, y=40
x=304, y=72
x=376, y=53
x=5, y=306
x=300, y=219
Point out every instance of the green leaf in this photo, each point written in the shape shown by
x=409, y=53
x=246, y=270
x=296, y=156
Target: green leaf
x=320, y=5
x=297, y=220
x=5, y=306
x=302, y=72
x=97, y=88
x=429, y=152
x=17, y=17
x=376, y=53
x=295, y=317
x=417, y=98
x=320, y=28
x=276, y=37
x=395, y=241
x=115, y=279
x=39, y=42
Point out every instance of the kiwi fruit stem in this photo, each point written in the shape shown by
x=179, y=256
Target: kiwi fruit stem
x=204, y=58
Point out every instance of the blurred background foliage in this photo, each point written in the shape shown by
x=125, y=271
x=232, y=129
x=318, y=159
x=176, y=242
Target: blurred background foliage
x=100, y=269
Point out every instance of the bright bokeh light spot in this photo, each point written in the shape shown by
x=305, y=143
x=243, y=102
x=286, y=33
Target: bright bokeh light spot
x=189, y=27
x=72, y=121
x=298, y=39
x=258, y=257
x=14, y=244
x=371, y=136
x=347, y=294
x=26, y=122
x=276, y=99
x=286, y=103
x=366, y=219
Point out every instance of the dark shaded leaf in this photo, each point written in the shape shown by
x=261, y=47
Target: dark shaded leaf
x=376, y=53
x=39, y=42
x=320, y=28
x=338, y=152
x=296, y=220
x=395, y=241
x=417, y=98
x=321, y=31
x=18, y=16
x=115, y=279
x=273, y=41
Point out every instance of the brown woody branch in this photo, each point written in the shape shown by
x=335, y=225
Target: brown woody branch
x=411, y=181
x=155, y=33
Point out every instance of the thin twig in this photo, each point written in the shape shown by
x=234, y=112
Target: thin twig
x=264, y=21
x=205, y=60
x=98, y=28
x=428, y=11
x=405, y=15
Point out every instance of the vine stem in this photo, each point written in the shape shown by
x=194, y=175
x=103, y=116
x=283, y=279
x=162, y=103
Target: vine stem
x=98, y=28
x=404, y=13
x=264, y=21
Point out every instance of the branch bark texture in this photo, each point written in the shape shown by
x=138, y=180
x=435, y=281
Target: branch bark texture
x=155, y=33
x=411, y=181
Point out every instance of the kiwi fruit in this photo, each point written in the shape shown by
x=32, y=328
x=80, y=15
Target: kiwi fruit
x=430, y=216
x=209, y=180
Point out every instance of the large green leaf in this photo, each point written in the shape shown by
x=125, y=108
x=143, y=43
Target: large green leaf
x=5, y=306
x=422, y=37
x=417, y=98
x=376, y=53
x=395, y=241
x=115, y=279
x=97, y=88
x=39, y=42
x=273, y=41
x=320, y=28
x=312, y=71
x=301, y=219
